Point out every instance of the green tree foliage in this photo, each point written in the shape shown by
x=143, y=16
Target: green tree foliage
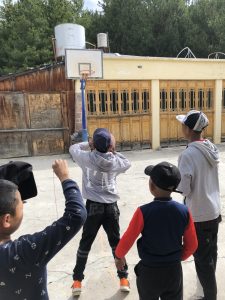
x=144, y=27
x=26, y=29
x=206, y=33
x=167, y=24
x=125, y=21
x=161, y=27
x=135, y=27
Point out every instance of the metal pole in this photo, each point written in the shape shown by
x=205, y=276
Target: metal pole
x=84, y=121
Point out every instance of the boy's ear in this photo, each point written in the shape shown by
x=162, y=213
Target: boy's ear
x=5, y=221
x=152, y=186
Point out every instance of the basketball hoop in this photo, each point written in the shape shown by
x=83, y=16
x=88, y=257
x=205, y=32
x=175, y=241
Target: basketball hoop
x=84, y=64
x=86, y=73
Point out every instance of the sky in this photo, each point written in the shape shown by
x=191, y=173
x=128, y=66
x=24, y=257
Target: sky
x=91, y=4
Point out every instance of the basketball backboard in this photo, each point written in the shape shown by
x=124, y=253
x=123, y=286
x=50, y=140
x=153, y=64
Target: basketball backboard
x=81, y=62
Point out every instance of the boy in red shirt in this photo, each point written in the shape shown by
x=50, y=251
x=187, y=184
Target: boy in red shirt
x=167, y=237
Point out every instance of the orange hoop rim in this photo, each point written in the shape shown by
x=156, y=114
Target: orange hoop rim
x=86, y=73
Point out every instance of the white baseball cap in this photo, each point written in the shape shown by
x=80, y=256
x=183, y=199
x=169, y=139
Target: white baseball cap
x=194, y=119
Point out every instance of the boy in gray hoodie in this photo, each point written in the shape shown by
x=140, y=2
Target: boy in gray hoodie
x=100, y=167
x=198, y=165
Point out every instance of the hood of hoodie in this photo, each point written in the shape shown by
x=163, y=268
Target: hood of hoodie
x=103, y=161
x=208, y=149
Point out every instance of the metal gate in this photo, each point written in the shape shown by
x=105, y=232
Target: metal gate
x=124, y=108
x=33, y=124
x=178, y=97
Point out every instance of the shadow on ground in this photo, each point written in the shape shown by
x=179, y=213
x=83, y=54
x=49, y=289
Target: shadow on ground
x=117, y=296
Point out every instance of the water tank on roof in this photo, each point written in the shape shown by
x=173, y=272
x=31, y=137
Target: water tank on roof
x=102, y=40
x=69, y=36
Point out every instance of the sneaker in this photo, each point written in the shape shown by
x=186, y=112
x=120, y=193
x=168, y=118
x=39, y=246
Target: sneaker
x=76, y=288
x=124, y=285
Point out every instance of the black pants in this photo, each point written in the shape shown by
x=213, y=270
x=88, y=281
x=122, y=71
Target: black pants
x=164, y=282
x=206, y=257
x=98, y=214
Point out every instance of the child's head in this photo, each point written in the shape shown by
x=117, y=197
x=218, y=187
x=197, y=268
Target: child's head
x=11, y=208
x=103, y=140
x=164, y=179
x=193, y=123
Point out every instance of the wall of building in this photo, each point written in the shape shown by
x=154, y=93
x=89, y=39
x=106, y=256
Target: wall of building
x=147, y=68
x=43, y=80
x=201, y=75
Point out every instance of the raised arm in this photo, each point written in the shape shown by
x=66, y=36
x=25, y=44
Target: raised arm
x=79, y=151
x=40, y=247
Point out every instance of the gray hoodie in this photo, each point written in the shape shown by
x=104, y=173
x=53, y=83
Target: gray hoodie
x=198, y=165
x=99, y=172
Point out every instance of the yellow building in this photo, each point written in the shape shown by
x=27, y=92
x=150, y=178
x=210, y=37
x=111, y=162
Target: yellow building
x=139, y=98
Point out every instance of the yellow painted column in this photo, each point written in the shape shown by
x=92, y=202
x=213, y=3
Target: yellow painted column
x=155, y=107
x=217, y=111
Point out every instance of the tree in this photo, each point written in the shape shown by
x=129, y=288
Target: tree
x=26, y=29
x=207, y=27
x=144, y=27
x=167, y=23
x=125, y=22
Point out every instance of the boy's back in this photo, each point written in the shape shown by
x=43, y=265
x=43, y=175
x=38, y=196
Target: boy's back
x=99, y=172
x=167, y=237
x=100, y=167
x=164, y=225
x=198, y=165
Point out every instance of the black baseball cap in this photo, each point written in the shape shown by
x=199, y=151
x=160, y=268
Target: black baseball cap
x=102, y=139
x=194, y=119
x=21, y=174
x=164, y=175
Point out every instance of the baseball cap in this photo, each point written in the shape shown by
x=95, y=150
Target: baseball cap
x=194, y=119
x=102, y=139
x=164, y=175
x=21, y=174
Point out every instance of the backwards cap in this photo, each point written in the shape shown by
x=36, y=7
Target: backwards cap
x=194, y=119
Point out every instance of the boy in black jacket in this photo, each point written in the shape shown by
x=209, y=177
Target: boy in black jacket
x=23, y=273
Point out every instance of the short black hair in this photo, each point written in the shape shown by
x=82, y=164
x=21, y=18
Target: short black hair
x=7, y=197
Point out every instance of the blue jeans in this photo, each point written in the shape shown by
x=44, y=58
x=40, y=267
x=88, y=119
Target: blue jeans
x=206, y=257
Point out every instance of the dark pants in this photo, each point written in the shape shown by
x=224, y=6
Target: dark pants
x=164, y=282
x=206, y=257
x=98, y=214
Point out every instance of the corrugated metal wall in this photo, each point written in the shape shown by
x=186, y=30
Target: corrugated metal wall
x=37, y=112
x=50, y=79
x=33, y=124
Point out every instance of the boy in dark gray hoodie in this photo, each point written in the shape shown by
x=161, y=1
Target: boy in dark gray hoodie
x=100, y=168
x=198, y=165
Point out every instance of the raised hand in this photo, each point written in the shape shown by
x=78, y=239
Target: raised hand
x=60, y=168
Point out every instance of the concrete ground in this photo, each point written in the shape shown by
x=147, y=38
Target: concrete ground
x=100, y=281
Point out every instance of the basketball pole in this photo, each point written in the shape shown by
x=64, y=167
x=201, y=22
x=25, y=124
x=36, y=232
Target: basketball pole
x=84, y=120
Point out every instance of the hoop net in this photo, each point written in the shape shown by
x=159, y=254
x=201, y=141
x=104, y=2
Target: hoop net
x=86, y=73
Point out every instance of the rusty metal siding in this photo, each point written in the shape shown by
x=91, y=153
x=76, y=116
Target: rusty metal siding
x=49, y=79
x=44, y=110
x=33, y=124
x=44, y=80
x=13, y=117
